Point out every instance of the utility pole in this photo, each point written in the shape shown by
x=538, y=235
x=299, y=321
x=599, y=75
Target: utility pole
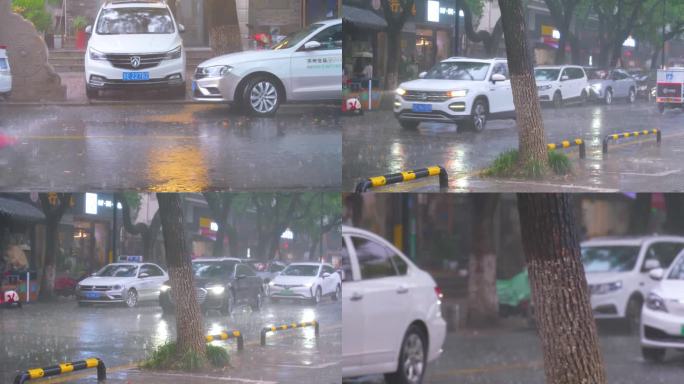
x=114, y=228
x=662, y=57
x=457, y=29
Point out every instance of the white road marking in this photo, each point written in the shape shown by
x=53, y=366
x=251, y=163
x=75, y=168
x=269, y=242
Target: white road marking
x=229, y=379
x=319, y=366
x=660, y=174
x=561, y=186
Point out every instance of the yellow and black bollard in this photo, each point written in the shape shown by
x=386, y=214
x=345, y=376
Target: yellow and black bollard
x=303, y=324
x=38, y=373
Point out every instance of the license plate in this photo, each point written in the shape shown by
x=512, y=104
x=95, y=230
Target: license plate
x=286, y=291
x=92, y=295
x=422, y=107
x=136, y=76
x=194, y=86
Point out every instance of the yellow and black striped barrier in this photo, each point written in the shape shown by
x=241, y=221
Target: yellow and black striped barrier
x=303, y=324
x=624, y=135
x=38, y=373
x=570, y=143
x=229, y=335
x=401, y=177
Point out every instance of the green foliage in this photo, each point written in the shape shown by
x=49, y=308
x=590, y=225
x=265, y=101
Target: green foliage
x=79, y=23
x=34, y=11
x=133, y=199
x=166, y=357
x=507, y=165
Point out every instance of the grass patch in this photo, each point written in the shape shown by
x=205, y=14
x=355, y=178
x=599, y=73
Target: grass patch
x=507, y=165
x=165, y=357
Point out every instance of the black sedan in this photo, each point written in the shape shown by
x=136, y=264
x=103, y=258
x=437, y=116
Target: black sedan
x=220, y=284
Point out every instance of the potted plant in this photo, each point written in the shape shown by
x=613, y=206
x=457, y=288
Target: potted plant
x=80, y=23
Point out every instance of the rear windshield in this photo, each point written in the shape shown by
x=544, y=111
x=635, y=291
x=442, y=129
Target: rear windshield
x=135, y=21
x=3, y=64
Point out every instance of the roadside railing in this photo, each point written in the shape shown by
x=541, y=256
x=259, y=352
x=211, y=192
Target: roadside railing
x=571, y=143
x=55, y=370
x=228, y=335
x=401, y=177
x=624, y=135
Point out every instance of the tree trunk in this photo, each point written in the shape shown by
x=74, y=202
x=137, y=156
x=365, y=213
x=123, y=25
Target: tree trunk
x=654, y=59
x=224, y=28
x=531, y=136
x=559, y=290
x=47, y=284
x=640, y=214
x=393, y=58
x=483, y=303
x=674, y=221
x=189, y=324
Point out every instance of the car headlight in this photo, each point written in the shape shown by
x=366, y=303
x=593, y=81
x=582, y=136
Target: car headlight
x=96, y=55
x=216, y=290
x=597, y=86
x=164, y=288
x=174, y=54
x=655, y=302
x=544, y=87
x=271, y=283
x=117, y=287
x=308, y=285
x=215, y=71
x=601, y=289
x=401, y=91
x=459, y=93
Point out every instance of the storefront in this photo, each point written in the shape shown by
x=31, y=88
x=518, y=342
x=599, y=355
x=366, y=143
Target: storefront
x=434, y=30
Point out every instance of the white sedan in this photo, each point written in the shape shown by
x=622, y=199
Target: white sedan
x=392, y=320
x=309, y=281
x=5, y=74
x=127, y=283
x=304, y=67
x=662, y=318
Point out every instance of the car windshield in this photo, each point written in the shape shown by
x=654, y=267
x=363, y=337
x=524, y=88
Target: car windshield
x=677, y=271
x=458, y=70
x=212, y=269
x=3, y=64
x=546, y=74
x=258, y=265
x=300, y=270
x=618, y=258
x=295, y=38
x=118, y=270
x=134, y=21
x=597, y=74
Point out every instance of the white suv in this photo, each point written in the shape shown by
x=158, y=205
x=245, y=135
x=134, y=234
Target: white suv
x=5, y=74
x=459, y=90
x=303, y=67
x=392, y=321
x=135, y=45
x=662, y=318
x=617, y=273
x=559, y=84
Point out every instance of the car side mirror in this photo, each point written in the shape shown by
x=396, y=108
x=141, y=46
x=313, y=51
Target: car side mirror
x=565, y=78
x=89, y=29
x=422, y=75
x=312, y=45
x=240, y=276
x=656, y=274
x=498, y=77
x=181, y=28
x=651, y=264
x=143, y=275
x=326, y=275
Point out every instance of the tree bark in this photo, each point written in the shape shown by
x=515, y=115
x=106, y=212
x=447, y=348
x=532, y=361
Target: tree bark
x=531, y=136
x=147, y=232
x=489, y=40
x=395, y=23
x=189, y=324
x=559, y=290
x=483, y=302
x=53, y=215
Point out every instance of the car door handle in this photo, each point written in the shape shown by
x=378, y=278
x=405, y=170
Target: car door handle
x=402, y=290
x=356, y=296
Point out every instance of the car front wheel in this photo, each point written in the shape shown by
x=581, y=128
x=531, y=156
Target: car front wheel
x=338, y=293
x=608, y=99
x=632, y=96
x=227, y=308
x=317, y=296
x=478, y=118
x=131, y=298
x=557, y=100
x=409, y=124
x=257, y=302
x=412, y=359
x=261, y=97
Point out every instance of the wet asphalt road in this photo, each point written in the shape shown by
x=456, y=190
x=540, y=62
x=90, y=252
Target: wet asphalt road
x=512, y=354
x=168, y=147
x=375, y=144
x=40, y=335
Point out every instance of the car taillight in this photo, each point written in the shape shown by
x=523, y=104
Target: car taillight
x=438, y=292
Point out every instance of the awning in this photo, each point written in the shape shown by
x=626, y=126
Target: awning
x=363, y=18
x=18, y=210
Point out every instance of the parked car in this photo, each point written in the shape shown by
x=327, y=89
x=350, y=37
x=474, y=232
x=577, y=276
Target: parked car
x=457, y=90
x=308, y=281
x=392, y=320
x=617, y=273
x=646, y=84
x=128, y=283
x=304, y=67
x=670, y=89
x=5, y=74
x=662, y=318
x=608, y=84
x=220, y=283
x=561, y=84
x=267, y=270
x=135, y=45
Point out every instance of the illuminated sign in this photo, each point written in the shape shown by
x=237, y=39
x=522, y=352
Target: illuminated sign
x=91, y=203
x=433, y=11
